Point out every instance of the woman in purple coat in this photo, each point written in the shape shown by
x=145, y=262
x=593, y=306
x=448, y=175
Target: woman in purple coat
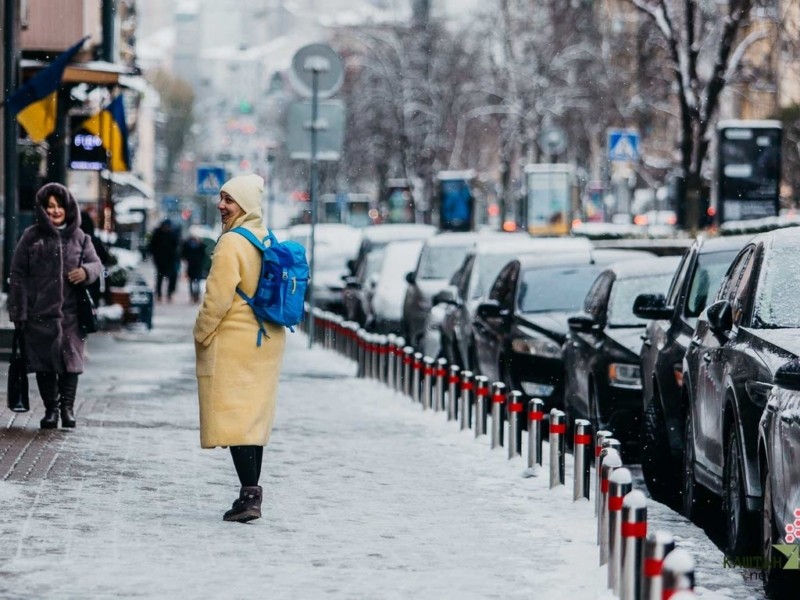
x=51, y=263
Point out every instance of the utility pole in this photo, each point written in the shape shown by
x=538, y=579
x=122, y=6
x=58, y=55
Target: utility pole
x=10, y=159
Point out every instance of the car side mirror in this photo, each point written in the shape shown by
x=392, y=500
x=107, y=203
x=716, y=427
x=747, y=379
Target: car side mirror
x=445, y=296
x=489, y=310
x=581, y=324
x=788, y=375
x=651, y=306
x=720, y=317
x=351, y=265
x=411, y=277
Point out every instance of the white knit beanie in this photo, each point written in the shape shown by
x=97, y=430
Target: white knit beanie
x=247, y=191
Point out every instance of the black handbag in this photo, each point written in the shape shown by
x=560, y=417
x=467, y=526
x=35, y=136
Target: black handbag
x=87, y=311
x=17, y=391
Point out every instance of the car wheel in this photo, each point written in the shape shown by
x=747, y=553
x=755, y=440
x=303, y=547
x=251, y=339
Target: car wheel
x=690, y=486
x=737, y=520
x=658, y=467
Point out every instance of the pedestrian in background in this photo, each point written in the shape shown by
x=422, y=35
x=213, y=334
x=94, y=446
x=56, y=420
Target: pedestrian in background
x=164, y=247
x=52, y=262
x=237, y=380
x=87, y=226
x=193, y=252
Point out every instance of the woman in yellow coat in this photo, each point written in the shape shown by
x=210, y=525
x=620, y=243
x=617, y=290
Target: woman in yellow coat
x=237, y=380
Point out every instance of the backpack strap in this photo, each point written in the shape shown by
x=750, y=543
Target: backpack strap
x=250, y=237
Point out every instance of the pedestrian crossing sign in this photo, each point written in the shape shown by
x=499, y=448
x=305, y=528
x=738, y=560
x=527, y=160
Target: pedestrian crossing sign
x=209, y=180
x=623, y=145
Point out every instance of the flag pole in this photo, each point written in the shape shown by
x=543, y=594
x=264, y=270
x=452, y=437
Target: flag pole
x=10, y=158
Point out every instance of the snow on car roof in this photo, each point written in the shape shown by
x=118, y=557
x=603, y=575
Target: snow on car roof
x=383, y=233
x=657, y=265
x=496, y=245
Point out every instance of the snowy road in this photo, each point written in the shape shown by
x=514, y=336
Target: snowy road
x=366, y=496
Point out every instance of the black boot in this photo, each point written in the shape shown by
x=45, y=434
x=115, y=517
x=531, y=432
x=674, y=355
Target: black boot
x=48, y=390
x=67, y=389
x=247, y=506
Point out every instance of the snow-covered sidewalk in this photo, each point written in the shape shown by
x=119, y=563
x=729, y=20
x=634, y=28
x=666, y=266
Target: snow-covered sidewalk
x=366, y=496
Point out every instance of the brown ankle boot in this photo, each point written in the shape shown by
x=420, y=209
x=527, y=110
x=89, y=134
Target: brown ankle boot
x=246, y=507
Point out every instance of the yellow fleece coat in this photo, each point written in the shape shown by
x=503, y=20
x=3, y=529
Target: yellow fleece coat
x=237, y=380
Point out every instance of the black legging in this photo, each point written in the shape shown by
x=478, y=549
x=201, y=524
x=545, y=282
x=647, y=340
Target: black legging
x=247, y=460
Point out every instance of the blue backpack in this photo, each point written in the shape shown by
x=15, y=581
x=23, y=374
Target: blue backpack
x=281, y=290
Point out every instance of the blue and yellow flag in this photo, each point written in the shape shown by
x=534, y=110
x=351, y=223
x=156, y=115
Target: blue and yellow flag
x=109, y=125
x=35, y=102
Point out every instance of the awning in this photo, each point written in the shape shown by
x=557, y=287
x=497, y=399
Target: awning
x=96, y=72
x=129, y=180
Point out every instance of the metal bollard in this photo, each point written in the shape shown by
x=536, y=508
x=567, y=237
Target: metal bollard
x=514, y=411
x=441, y=375
x=611, y=461
x=677, y=573
x=535, y=418
x=377, y=348
x=620, y=483
x=400, y=342
x=600, y=437
x=582, y=451
x=383, y=352
x=427, y=383
x=558, y=432
x=465, y=399
x=370, y=338
x=657, y=545
x=481, y=411
x=408, y=363
x=634, y=531
x=498, y=400
x=416, y=377
x=683, y=595
x=360, y=354
x=452, y=392
x=391, y=359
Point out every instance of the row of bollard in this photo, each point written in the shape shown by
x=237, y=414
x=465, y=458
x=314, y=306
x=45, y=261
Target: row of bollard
x=641, y=565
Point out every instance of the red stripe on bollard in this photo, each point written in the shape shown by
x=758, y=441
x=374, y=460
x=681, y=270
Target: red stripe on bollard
x=597, y=451
x=558, y=428
x=583, y=439
x=454, y=379
x=604, y=486
x=427, y=371
x=407, y=360
x=535, y=415
x=498, y=398
x=515, y=407
x=482, y=391
x=652, y=567
x=441, y=372
x=467, y=387
x=615, y=503
x=638, y=530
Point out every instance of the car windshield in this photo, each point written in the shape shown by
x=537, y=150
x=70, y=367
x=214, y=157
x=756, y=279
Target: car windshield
x=776, y=304
x=624, y=292
x=440, y=262
x=486, y=270
x=707, y=276
x=556, y=289
x=374, y=262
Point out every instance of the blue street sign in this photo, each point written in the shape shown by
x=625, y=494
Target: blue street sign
x=209, y=180
x=623, y=145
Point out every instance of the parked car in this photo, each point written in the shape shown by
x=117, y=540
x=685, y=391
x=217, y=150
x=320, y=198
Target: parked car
x=334, y=245
x=672, y=318
x=472, y=280
x=385, y=310
x=778, y=456
x=377, y=236
x=521, y=326
x=739, y=342
x=441, y=255
x=359, y=288
x=601, y=353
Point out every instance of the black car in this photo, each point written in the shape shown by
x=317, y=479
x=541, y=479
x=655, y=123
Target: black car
x=521, y=327
x=472, y=280
x=740, y=341
x=672, y=320
x=778, y=456
x=601, y=353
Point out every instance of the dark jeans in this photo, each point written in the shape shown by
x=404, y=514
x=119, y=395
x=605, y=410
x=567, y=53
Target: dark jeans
x=172, y=282
x=247, y=460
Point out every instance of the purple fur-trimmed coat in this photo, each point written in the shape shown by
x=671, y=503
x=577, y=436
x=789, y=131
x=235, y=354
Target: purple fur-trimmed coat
x=40, y=294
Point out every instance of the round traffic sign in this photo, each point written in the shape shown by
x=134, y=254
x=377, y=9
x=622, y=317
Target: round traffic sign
x=552, y=140
x=318, y=60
